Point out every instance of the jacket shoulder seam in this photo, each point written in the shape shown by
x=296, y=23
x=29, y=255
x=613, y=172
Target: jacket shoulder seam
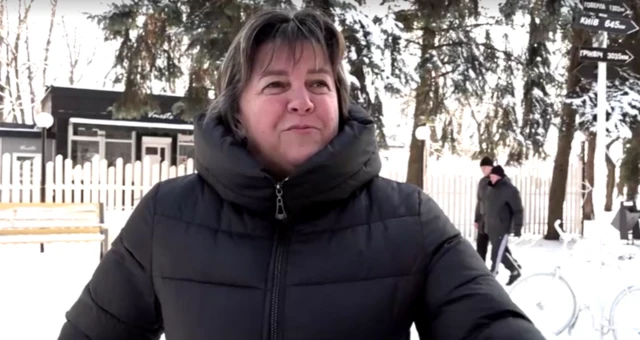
x=348, y=226
x=200, y=225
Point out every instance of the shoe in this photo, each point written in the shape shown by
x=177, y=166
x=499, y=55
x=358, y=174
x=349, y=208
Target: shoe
x=513, y=277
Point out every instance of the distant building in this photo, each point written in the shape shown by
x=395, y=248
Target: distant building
x=84, y=127
x=23, y=142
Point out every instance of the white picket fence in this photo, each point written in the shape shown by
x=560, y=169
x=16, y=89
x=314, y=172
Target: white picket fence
x=119, y=187
x=452, y=183
x=456, y=193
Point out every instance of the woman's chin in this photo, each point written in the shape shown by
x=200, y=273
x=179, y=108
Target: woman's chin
x=296, y=156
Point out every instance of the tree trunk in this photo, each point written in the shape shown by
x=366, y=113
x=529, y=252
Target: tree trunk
x=3, y=67
x=17, y=101
x=566, y=131
x=629, y=169
x=611, y=181
x=587, y=206
x=416, y=169
x=22, y=19
x=30, y=74
x=47, y=46
x=7, y=99
x=632, y=185
x=620, y=188
x=560, y=172
x=72, y=50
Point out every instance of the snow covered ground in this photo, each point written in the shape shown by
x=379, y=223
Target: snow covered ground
x=593, y=285
x=37, y=288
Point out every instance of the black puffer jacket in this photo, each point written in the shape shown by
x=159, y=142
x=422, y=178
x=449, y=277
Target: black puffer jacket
x=483, y=187
x=358, y=257
x=503, y=208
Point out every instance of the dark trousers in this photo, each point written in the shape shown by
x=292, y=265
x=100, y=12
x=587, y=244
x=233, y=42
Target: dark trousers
x=482, y=245
x=500, y=253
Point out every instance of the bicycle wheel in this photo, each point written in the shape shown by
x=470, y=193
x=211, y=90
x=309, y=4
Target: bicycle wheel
x=547, y=300
x=624, y=314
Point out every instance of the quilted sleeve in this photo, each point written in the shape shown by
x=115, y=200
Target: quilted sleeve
x=461, y=299
x=119, y=302
x=478, y=215
x=515, y=204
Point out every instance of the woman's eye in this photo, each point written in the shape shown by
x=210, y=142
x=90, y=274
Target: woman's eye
x=275, y=85
x=319, y=83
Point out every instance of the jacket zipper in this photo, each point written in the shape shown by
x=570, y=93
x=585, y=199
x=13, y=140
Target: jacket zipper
x=281, y=215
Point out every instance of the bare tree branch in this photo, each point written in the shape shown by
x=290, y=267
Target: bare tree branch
x=10, y=111
x=75, y=52
x=71, y=47
x=54, y=6
x=88, y=62
x=30, y=74
x=2, y=63
x=106, y=77
x=22, y=18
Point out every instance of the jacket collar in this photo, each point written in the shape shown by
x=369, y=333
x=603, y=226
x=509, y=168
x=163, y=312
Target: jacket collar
x=347, y=163
x=503, y=180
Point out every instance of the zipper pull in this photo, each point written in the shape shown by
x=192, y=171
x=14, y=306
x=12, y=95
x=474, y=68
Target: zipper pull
x=280, y=213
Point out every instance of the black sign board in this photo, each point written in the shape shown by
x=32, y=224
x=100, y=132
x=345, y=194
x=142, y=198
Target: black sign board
x=618, y=8
x=608, y=55
x=602, y=24
x=589, y=71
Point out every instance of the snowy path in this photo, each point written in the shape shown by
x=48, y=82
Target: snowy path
x=36, y=291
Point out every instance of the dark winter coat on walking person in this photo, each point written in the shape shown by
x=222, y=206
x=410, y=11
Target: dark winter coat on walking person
x=504, y=215
x=250, y=249
x=503, y=210
x=482, y=239
x=483, y=188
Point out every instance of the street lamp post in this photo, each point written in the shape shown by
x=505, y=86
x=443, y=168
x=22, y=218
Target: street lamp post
x=43, y=120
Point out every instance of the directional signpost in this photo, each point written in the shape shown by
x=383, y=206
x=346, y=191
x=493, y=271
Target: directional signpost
x=607, y=55
x=608, y=7
x=606, y=24
x=605, y=17
x=589, y=71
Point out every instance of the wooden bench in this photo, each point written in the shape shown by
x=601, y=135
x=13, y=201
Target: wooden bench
x=53, y=222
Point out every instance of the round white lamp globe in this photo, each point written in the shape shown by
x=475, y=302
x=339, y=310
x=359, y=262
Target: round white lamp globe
x=422, y=132
x=43, y=120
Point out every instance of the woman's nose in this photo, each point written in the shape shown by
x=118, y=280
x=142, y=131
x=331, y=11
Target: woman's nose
x=300, y=101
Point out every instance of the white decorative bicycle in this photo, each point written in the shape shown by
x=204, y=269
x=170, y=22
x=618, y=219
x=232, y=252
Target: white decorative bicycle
x=556, y=320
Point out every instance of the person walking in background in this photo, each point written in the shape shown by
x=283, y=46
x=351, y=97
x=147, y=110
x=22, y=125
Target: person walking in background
x=503, y=214
x=482, y=239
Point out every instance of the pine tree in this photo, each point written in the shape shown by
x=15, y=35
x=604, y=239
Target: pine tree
x=158, y=38
x=452, y=71
x=373, y=59
x=498, y=128
x=197, y=33
x=539, y=106
x=574, y=38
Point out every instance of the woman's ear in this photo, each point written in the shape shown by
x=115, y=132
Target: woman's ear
x=240, y=131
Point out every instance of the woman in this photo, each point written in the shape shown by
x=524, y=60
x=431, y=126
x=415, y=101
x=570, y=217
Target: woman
x=287, y=231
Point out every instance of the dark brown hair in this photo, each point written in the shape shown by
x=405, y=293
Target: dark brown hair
x=283, y=28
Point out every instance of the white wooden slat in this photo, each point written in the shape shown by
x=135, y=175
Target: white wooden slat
x=451, y=182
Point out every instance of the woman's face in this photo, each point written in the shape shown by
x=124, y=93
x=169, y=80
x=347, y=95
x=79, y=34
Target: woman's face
x=289, y=108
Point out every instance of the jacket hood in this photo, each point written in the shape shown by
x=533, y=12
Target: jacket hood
x=348, y=162
x=503, y=180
